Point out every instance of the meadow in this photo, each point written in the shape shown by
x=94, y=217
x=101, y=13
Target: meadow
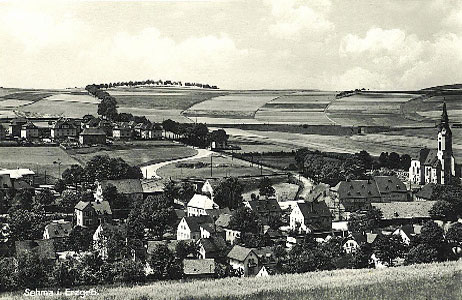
x=38, y=159
x=429, y=108
x=136, y=153
x=418, y=282
x=222, y=167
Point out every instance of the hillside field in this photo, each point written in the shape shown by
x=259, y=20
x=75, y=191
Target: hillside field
x=418, y=282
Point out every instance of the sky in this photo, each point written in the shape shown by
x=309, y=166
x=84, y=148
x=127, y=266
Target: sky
x=235, y=44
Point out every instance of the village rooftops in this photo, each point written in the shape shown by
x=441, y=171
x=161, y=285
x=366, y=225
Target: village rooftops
x=314, y=209
x=239, y=253
x=171, y=245
x=18, y=121
x=17, y=173
x=93, y=131
x=124, y=186
x=356, y=189
x=202, y=201
x=389, y=184
x=405, y=210
x=426, y=192
x=195, y=223
x=64, y=123
x=29, y=125
x=100, y=207
x=223, y=221
x=265, y=205
x=213, y=244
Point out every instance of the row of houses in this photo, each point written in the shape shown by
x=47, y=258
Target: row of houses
x=89, y=130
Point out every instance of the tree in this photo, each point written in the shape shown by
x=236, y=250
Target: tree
x=25, y=224
x=129, y=271
x=389, y=248
x=24, y=199
x=88, y=196
x=112, y=242
x=229, y=193
x=183, y=249
x=186, y=191
x=443, y=210
x=60, y=186
x=74, y=175
x=79, y=239
x=66, y=273
x=454, y=234
x=253, y=240
x=33, y=272
x=366, y=158
x=265, y=188
x=394, y=161
x=421, y=253
x=432, y=235
x=164, y=265
x=383, y=159
x=405, y=161
x=45, y=198
x=156, y=213
x=365, y=222
x=244, y=220
x=69, y=199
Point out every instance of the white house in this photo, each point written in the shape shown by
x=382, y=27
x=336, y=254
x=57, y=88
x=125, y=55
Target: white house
x=352, y=243
x=198, y=205
x=244, y=259
x=195, y=228
x=311, y=216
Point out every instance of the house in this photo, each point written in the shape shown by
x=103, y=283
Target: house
x=425, y=193
x=222, y=222
x=100, y=240
x=353, y=195
x=266, y=256
x=150, y=131
x=243, y=259
x=311, y=217
x=265, y=208
x=266, y=271
x=64, y=129
x=207, y=189
x=194, y=227
x=198, y=205
x=57, y=229
x=352, y=243
x=436, y=165
x=132, y=188
x=29, y=131
x=44, y=248
x=406, y=233
x=199, y=268
x=15, y=126
x=122, y=131
x=391, y=189
x=212, y=247
x=231, y=235
x=2, y=132
x=91, y=214
x=402, y=213
x=152, y=187
x=92, y=136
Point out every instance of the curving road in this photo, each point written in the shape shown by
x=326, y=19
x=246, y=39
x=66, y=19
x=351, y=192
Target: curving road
x=150, y=171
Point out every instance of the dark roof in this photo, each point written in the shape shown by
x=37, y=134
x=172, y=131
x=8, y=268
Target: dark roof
x=93, y=131
x=431, y=157
x=18, y=121
x=196, y=222
x=264, y=206
x=359, y=238
x=59, y=229
x=100, y=208
x=405, y=210
x=21, y=185
x=213, y=244
x=357, y=189
x=29, y=125
x=124, y=186
x=199, y=266
x=152, y=186
x=389, y=184
x=152, y=245
x=44, y=248
x=317, y=193
x=239, y=253
x=314, y=209
x=61, y=122
x=179, y=213
x=5, y=181
x=426, y=191
x=216, y=213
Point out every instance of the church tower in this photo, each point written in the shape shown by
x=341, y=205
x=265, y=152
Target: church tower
x=445, y=155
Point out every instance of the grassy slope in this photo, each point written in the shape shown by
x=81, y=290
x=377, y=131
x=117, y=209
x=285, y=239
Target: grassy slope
x=419, y=282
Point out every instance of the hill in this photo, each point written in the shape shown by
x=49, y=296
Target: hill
x=419, y=282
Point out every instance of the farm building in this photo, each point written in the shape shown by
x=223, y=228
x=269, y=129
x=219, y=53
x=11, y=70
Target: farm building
x=198, y=205
x=436, y=166
x=265, y=208
x=402, y=213
x=244, y=259
x=150, y=132
x=132, y=188
x=29, y=131
x=92, y=136
x=311, y=217
x=194, y=227
x=25, y=175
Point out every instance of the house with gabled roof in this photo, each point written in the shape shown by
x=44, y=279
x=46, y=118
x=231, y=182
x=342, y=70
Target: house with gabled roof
x=57, y=229
x=425, y=193
x=352, y=243
x=132, y=188
x=402, y=213
x=194, y=227
x=91, y=214
x=406, y=232
x=122, y=131
x=212, y=247
x=244, y=259
x=92, y=136
x=311, y=217
x=265, y=208
x=29, y=131
x=391, y=188
x=63, y=129
x=198, y=205
x=267, y=271
x=14, y=128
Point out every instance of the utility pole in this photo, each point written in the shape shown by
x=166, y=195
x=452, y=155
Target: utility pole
x=211, y=165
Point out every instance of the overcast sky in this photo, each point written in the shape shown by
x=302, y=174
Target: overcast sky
x=323, y=44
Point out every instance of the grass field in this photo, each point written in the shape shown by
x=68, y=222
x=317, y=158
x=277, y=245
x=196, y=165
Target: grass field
x=222, y=167
x=429, y=108
x=136, y=153
x=38, y=159
x=419, y=282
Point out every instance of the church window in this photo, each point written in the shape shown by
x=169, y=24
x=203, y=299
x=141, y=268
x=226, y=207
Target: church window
x=439, y=145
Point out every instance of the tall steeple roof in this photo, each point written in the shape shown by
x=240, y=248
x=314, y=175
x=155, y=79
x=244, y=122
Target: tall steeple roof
x=444, y=115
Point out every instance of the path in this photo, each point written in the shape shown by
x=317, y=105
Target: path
x=150, y=171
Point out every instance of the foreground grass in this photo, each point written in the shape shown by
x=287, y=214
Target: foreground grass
x=432, y=281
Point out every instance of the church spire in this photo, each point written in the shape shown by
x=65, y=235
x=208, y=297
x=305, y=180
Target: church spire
x=444, y=115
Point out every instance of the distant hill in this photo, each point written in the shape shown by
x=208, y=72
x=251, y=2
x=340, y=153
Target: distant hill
x=457, y=86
